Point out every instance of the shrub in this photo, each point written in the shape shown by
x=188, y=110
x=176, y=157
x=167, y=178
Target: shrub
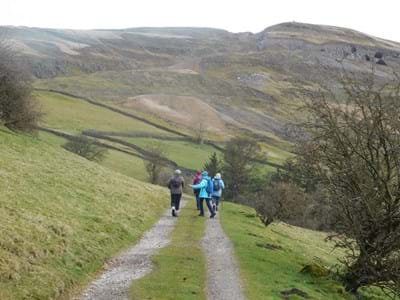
x=281, y=201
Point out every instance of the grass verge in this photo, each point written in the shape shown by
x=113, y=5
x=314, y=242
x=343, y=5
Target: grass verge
x=63, y=216
x=180, y=268
x=266, y=273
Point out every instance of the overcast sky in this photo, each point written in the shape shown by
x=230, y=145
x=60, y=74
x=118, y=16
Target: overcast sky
x=379, y=18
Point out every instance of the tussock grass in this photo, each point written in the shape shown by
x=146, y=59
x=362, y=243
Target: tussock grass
x=63, y=216
x=268, y=272
x=180, y=268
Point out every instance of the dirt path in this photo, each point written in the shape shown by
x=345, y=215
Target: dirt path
x=134, y=263
x=223, y=281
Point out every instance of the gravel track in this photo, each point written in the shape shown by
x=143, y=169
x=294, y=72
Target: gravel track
x=223, y=280
x=115, y=281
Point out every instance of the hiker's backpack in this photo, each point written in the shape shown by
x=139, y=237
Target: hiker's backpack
x=210, y=186
x=176, y=182
x=217, y=185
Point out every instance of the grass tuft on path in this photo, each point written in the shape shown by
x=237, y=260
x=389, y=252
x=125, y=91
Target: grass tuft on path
x=271, y=258
x=63, y=216
x=180, y=268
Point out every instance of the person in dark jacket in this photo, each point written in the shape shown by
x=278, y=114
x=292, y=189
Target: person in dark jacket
x=196, y=180
x=205, y=187
x=176, y=185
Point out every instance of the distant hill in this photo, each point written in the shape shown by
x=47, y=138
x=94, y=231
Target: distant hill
x=235, y=82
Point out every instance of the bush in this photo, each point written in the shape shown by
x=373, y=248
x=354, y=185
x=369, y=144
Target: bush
x=282, y=201
x=85, y=147
x=18, y=109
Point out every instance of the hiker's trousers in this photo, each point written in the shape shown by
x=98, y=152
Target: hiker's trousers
x=208, y=202
x=176, y=200
x=197, y=193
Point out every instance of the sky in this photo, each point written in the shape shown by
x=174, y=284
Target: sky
x=378, y=18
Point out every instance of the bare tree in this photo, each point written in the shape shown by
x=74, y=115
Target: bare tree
x=354, y=151
x=85, y=147
x=155, y=161
x=18, y=109
x=199, y=131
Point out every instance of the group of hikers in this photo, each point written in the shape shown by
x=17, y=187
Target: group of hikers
x=204, y=187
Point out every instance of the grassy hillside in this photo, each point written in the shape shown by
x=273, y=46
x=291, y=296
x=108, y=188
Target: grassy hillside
x=117, y=161
x=71, y=115
x=62, y=216
x=74, y=115
x=271, y=259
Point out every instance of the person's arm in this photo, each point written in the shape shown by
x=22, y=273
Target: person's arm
x=169, y=184
x=183, y=182
x=201, y=185
x=222, y=184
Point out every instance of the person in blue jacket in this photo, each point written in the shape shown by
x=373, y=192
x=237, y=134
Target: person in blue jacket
x=205, y=187
x=218, y=186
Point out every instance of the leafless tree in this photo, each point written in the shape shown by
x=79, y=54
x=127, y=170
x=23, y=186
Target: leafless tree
x=155, y=161
x=199, y=131
x=18, y=109
x=354, y=151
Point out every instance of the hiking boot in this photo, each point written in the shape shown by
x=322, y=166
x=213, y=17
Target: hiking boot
x=173, y=211
x=201, y=215
x=212, y=215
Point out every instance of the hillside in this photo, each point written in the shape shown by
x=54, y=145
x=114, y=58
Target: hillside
x=232, y=82
x=272, y=259
x=63, y=216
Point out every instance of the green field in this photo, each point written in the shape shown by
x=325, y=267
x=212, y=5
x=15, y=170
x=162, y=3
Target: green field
x=74, y=115
x=187, y=154
x=62, y=217
x=268, y=272
x=180, y=268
